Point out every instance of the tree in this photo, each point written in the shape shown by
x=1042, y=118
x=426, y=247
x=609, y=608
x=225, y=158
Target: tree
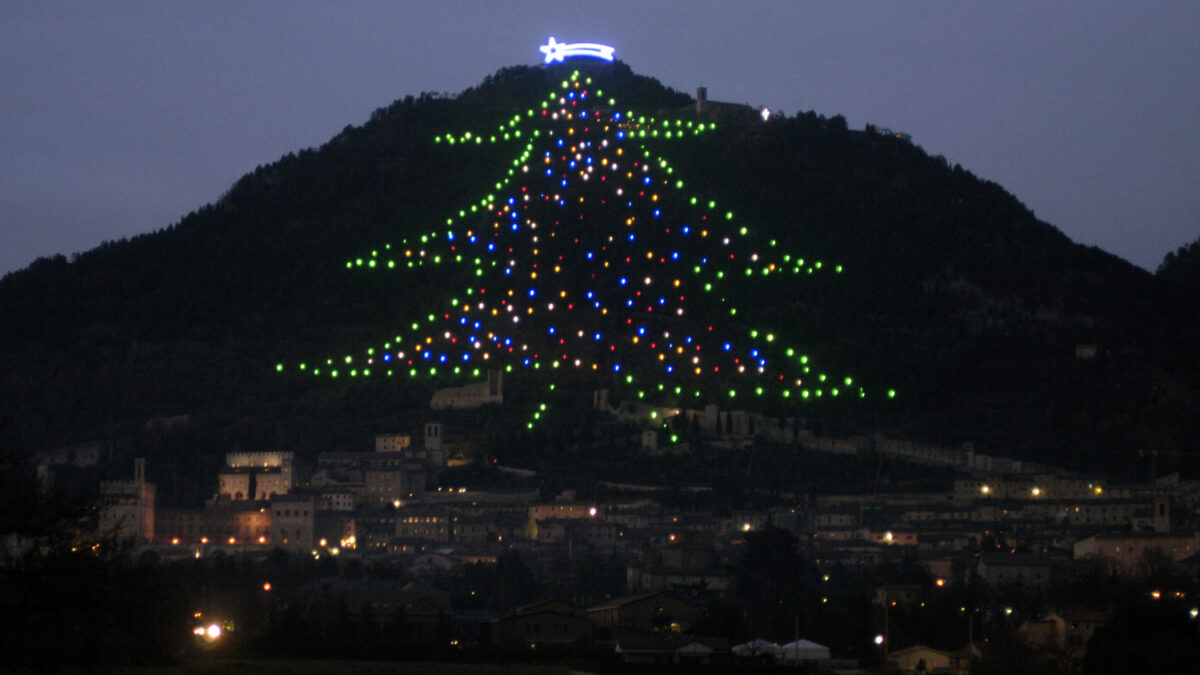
x=771, y=582
x=1145, y=637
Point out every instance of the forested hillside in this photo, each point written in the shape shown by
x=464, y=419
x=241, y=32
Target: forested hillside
x=993, y=326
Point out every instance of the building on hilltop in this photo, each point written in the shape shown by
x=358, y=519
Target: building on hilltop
x=255, y=475
x=127, y=506
x=292, y=521
x=472, y=395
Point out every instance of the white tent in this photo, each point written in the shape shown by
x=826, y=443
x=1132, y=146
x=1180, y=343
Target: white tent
x=757, y=647
x=803, y=650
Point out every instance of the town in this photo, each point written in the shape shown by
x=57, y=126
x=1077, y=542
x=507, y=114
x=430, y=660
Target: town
x=640, y=573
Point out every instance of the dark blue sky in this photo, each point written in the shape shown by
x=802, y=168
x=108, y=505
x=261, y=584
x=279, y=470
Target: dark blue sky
x=117, y=120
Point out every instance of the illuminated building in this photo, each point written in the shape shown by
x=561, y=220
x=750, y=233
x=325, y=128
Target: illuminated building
x=127, y=506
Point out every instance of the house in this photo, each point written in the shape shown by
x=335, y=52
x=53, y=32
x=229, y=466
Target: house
x=1125, y=552
x=1024, y=569
x=922, y=659
x=546, y=624
x=651, y=612
x=1067, y=633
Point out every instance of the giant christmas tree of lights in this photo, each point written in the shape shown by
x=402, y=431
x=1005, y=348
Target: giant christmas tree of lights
x=591, y=256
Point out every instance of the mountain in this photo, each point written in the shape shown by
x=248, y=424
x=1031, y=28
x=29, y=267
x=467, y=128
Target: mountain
x=992, y=326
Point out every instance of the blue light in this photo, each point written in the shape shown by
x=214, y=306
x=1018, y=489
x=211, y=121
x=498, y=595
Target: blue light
x=727, y=346
x=597, y=336
x=552, y=330
x=686, y=229
x=387, y=357
x=622, y=281
x=641, y=330
x=549, y=172
x=657, y=212
x=616, y=367
x=590, y=295
x=466, y=356
x=646, y=180
x=532, y=292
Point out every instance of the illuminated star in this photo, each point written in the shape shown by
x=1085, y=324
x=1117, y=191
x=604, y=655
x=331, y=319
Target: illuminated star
x=558, y=51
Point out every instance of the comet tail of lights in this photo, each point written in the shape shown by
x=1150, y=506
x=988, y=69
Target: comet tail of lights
x=590, y=258
x=558, y=51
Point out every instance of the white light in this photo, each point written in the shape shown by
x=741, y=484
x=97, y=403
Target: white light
x=766, y=114
x=558, y=51
x=213, y=632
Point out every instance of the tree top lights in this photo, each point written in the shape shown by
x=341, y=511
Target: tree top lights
x=558, y=51
x=589, y=255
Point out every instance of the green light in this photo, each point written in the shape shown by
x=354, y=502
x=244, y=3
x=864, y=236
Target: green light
x=279, y=367
x=891, y=393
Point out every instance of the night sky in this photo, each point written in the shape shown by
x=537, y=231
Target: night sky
x=119, y=120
